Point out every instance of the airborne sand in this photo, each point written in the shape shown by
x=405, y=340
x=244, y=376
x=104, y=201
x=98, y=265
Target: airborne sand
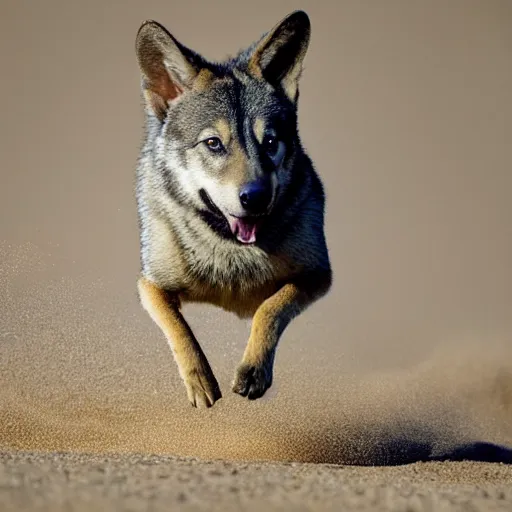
x=406, y=111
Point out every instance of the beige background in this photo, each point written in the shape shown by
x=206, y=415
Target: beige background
x=406, y=109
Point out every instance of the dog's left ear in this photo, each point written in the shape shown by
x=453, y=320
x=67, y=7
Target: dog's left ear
x=279, y=55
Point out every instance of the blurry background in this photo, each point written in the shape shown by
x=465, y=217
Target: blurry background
x=406, y=110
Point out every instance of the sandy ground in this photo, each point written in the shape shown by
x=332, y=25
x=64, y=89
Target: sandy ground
x=72, y=483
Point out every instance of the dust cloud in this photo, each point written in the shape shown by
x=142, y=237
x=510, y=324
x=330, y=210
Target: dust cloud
x=81, y=374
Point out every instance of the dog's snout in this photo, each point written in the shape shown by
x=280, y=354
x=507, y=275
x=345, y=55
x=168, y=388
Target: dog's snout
x=256, y=197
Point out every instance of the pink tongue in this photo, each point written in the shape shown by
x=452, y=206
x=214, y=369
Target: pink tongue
x=244, y=230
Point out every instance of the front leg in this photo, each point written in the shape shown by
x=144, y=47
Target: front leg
x=254, y=374
x=164, y=309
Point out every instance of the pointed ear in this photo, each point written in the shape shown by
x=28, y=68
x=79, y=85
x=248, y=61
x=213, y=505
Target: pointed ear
x=279, y=55
x=168, y=68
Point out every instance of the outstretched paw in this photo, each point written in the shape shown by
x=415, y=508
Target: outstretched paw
x=252, y=381
x=202, y=387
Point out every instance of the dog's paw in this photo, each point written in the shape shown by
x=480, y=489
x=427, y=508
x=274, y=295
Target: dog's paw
x=202, y=387
x=252, y=381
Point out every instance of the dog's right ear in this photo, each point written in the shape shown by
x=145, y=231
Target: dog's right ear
x=168, y=68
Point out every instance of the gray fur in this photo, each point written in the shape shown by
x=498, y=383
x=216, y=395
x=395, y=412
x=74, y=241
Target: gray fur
x=186, y=248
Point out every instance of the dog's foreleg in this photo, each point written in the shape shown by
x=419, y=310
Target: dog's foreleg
x=164, y=309
x=254, y=374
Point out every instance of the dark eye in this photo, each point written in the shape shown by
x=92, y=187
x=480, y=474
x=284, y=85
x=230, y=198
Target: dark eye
x=214, y=144
x=274, y=148
x=270, y=144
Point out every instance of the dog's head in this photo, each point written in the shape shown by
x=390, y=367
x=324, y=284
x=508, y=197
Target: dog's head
x=226, y=133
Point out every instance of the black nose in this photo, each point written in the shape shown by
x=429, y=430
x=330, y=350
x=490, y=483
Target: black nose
x=256, y=196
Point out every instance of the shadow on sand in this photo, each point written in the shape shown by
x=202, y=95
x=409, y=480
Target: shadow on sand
x=382, y=445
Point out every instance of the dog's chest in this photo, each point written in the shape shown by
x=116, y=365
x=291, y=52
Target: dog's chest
x=236, y=278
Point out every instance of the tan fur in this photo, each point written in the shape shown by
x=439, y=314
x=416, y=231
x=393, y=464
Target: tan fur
x=224, y=131
x=203, y=80
x=238, y=168
x=259, y=128
x=164, y=310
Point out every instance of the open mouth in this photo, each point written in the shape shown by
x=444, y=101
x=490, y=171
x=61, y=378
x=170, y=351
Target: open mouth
x=244, y=229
